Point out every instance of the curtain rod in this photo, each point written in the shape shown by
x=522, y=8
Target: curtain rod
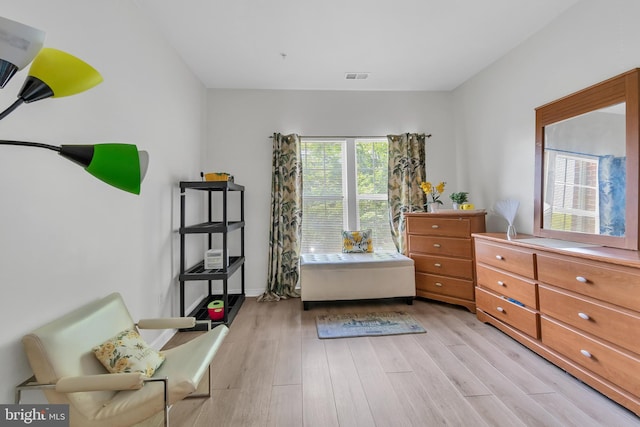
x=347, y=137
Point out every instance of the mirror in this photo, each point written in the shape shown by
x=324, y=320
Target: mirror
x=587, y=165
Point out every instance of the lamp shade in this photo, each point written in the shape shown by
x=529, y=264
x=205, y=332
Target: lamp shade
x=19, y=44
x=55, y=73
x=119, y=165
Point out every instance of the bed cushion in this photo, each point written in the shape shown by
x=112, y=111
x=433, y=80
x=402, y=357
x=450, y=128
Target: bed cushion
x=354, y=260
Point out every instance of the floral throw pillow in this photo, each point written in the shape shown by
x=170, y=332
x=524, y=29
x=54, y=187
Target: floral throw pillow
x=127, y=352
x=357, y=241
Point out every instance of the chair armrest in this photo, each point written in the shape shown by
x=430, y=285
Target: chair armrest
x=100, y=382
x=126, y=381
x=167, y=323
x=115, y=382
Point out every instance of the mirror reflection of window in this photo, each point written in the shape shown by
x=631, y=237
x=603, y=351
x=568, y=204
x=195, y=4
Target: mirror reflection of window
x=585, y=174
x=574, y=194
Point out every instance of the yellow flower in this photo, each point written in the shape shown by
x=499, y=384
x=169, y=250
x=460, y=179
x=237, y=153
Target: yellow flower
x=122, y=364
x=433, y=191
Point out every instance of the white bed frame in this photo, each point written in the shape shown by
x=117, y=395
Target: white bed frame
x=356, y=276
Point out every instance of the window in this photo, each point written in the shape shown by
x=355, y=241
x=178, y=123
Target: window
x=575, y=193
x=344, y=188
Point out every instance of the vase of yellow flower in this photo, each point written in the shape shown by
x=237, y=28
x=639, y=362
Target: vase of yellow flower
x=434, y=192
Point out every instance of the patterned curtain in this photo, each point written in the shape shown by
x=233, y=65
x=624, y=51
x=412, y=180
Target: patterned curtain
x=286, y=219
x=406, y=172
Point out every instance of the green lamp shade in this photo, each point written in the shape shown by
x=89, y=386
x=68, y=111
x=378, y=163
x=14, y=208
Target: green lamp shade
x=54, y=73
x=119, y=165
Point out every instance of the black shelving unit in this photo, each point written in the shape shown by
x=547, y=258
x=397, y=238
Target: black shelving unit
x=197, y=272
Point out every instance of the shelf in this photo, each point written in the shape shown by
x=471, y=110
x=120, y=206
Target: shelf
x=212, y=227
x=222, y=227
x=211, y=185
x=198, y=272
x=201, y=312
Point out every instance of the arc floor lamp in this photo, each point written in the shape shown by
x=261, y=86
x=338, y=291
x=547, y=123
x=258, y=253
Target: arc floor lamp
x=54, y=74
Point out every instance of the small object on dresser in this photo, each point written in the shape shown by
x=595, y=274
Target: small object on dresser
x=507, y=209
x=459, y=199
x=216, y=309
x=435, y=191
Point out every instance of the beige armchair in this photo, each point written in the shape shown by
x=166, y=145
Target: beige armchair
x=66, y=369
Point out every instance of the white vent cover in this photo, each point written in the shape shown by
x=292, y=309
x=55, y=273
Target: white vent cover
x=356, y=76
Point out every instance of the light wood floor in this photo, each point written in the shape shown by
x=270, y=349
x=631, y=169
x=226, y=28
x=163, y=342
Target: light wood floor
x=272, y=370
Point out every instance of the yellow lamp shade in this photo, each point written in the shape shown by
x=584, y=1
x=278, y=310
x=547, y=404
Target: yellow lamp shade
x=63, y=73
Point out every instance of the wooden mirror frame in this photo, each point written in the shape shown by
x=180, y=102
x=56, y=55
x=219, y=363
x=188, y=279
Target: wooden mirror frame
x=623, y=88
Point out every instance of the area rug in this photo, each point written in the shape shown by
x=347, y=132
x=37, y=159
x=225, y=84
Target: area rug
x=367, y=324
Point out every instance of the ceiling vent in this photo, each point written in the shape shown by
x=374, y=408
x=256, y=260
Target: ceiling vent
x=356, y=76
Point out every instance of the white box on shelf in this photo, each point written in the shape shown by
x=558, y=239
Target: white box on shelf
x=213, y=259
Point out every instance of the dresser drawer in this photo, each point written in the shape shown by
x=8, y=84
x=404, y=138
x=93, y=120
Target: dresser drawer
x=435, y=226
x=615, y=365
x=521, y=318
x=443, y=285
x=608, y=322
x=437, y=245
x=510, y=285
x=615, y=284
x=457, y=267
x=509, y=258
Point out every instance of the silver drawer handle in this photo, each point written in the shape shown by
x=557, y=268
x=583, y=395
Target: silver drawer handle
x=499, y=257
x=435, y=226
x=436, y=245
x=585, y=353
x=581, y=279
x=438, y=284
x=584, y=316
x=500, y=309
x=437, y=265
x=500, y=282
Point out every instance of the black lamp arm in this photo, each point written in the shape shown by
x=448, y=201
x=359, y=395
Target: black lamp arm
x=30, y=144
x=18, y=102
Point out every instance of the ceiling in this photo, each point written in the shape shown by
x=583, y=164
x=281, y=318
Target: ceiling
x=311, y=44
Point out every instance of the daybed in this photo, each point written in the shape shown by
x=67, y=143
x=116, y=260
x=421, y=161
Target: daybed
x=356, y=276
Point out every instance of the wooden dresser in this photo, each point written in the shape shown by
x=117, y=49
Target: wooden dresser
x=441, y=248
x=576, y=305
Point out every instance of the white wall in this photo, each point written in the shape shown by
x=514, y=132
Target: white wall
x=495, y=110
x=67, y=238
x=241, y=121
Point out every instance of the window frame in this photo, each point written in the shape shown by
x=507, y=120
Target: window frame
x=351, y=197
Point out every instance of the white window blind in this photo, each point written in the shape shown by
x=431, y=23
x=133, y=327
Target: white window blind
x=372, y=174
x=345, y=188
x=575, y=194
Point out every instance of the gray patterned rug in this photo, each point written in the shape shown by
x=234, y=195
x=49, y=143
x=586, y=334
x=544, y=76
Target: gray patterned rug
x=367, y=324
